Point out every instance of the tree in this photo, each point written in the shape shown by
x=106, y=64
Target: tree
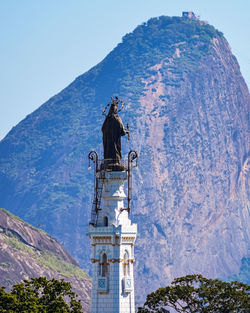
x=40, y=295
x=197, y=294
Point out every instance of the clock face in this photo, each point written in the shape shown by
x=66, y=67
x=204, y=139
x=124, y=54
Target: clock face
x=101, y=283
x=128, y=283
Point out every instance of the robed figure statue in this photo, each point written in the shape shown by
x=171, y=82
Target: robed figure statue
x=112, y=130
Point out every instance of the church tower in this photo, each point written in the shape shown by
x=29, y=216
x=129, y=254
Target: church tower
x=111, y=232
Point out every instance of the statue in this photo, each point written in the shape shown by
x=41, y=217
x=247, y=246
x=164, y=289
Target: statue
x=112, y=130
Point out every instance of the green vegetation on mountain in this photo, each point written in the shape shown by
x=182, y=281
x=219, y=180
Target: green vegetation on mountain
x=159, y=37
x=154, y=41
x=50, y=260
x=44, y=257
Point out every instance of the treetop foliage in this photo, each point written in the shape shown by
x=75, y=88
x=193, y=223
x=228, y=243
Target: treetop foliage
x=40, y=295
x=197, y=294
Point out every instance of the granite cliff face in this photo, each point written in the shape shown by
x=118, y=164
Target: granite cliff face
x=27, y=252
x=198, y=183
x=188, y=111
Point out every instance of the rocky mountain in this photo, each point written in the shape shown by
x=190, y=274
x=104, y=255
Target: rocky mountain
x=26, y=252
x=188, y=110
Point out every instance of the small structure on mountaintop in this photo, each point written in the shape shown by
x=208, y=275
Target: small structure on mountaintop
x=189, y=15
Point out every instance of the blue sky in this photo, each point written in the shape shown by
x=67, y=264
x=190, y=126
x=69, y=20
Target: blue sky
x=46, y=44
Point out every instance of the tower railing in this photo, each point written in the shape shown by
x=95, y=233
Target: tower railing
x=110, y=165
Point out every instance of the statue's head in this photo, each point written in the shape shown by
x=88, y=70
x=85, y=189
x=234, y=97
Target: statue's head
x=114, y=106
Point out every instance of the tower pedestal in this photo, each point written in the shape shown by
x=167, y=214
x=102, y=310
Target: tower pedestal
x=112, y=240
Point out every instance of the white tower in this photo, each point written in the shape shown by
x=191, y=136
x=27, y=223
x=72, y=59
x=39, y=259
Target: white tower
x=112, y=237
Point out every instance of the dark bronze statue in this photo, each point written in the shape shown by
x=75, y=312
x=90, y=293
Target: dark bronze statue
x=112, y=130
